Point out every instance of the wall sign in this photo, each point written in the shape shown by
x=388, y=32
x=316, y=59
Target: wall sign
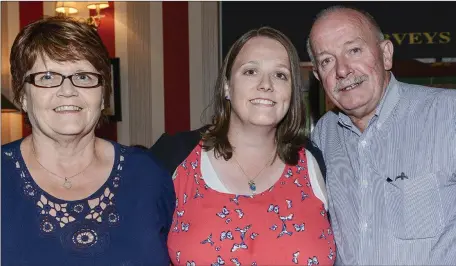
x=417, y=30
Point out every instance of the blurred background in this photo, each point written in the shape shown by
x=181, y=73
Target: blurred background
x=166, y=55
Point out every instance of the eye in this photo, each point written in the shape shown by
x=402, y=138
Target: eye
x=355, y=50
x=282, y=76
x=46, y=76
x=250, y=72
x=324, y=62
x=83, y=77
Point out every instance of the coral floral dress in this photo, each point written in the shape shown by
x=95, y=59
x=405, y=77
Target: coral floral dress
x=285, y=225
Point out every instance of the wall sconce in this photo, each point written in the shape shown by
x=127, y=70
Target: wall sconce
x=97, y=6
x=65, y=8
x=70, y=9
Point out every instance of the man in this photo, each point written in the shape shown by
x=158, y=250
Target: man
x=390, y=150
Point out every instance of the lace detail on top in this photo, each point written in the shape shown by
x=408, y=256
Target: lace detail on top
x=80, y=225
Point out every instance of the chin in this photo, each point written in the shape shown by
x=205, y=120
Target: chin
x=69, y=130
x=264, y=122
x=69, y=133
x=351, y=105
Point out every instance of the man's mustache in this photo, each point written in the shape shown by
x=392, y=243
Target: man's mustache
x=348, y=82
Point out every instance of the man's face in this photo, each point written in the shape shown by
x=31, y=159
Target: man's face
x=350, y=62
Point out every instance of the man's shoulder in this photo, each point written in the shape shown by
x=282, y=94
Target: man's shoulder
x=421, y=92
x=325, y=129
x=329, y=119
x=427, y=100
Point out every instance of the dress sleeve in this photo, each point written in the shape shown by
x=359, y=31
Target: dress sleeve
x=316, y=179
x=167, y=200
x=312, y=147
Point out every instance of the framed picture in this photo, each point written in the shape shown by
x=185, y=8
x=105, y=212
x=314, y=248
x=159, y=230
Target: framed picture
x=113, y=108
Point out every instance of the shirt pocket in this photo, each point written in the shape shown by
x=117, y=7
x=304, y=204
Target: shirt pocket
x=413, y=207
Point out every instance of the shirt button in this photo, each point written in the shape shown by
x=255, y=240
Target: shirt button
x=364, y=183
x=364, y=226
x=363, y=143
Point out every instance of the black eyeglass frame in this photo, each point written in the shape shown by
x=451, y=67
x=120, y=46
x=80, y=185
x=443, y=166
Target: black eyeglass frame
x=31, y=79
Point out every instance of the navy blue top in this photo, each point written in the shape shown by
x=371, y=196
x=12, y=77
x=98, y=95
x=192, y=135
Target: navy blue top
x=125, y=222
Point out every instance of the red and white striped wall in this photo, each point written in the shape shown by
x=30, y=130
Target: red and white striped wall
x=184, y=46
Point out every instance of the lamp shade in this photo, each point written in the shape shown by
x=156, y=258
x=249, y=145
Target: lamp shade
x=100, y=5
x=66, y=7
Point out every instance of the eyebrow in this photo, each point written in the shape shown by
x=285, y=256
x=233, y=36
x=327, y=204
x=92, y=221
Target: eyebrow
x=256, y=63
x=357, y=39
x=85, y=70
x=250, y=62
x=284, y=66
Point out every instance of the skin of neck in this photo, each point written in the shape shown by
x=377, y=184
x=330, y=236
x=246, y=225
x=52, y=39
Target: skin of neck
x=64, y=153
x=250, y=141
x=361, y=123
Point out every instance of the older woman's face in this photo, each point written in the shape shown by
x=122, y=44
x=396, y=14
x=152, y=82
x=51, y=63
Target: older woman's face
x=64, y=110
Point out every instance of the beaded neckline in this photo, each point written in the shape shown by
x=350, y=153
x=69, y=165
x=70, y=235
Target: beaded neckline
x=80, y=225
x=31, y=187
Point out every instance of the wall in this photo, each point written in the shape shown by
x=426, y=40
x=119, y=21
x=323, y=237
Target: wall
x=173, y=61
x=11, y=127
x=156, y=42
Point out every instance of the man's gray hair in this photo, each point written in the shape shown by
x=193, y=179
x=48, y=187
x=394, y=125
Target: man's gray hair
x=332, y=9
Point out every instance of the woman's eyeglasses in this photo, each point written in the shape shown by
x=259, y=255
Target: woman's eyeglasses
x=50, y=79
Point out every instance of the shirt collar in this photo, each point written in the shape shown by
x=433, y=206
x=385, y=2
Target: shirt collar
x=384, y=108
x=388, y=101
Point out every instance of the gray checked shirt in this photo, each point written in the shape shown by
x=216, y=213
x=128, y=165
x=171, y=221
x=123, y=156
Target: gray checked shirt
x=392, y=188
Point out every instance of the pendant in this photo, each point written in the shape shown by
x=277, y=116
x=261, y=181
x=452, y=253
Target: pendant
x=252, y=185
x=67, y=184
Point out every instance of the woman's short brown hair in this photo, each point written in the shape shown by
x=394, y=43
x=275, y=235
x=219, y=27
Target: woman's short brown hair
x=61, y=39
x=291, y=132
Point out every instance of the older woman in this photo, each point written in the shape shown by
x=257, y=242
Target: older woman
x=68, y=197
x=250, y=193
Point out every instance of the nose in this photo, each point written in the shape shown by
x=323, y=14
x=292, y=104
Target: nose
x=343, y=69
x=67, y=89
x=266, y=84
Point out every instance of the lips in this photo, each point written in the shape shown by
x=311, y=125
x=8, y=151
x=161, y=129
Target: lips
x=265, y=102
x=351, y=86
x=67, y=108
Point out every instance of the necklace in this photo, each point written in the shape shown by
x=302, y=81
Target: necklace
x=251, y=183
x=67, y=182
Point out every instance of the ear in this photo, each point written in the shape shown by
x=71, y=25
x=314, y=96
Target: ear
x=226, y=89
x=102, y=103
x=315, y=72
x=387, y=50
x=23, y=100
